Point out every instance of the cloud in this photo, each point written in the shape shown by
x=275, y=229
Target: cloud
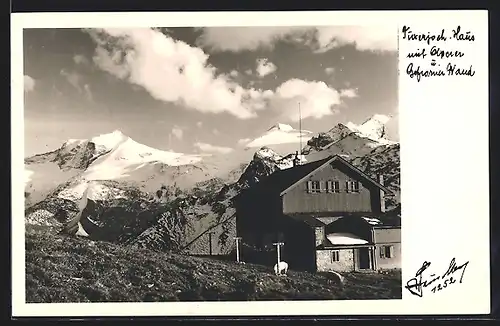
x=80, y=59
x=248, y=71
x=177, y=132
x=364, y=38
x=349, y=92
x=316, y=99
x=237, y=39
x=170, y=70
x=233, y=73
x=320, y=39
x=88, y=92
x=213, y=149
x=29, y=83
x=199, y=124
x=330, y=70
x=244, y=141
x=76, y=80
x=215, y=131
x=265, y=67
x=73, y=78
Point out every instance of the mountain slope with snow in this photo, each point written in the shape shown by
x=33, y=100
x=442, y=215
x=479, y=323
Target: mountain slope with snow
x=282, y=138
x=349, y=140
x=112, y=156
x=112, y=188
x=373, y=128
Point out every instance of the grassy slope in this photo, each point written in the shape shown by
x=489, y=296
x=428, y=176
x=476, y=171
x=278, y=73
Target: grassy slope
x=66, y=269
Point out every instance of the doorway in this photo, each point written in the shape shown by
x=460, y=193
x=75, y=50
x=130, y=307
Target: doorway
x=364, y=259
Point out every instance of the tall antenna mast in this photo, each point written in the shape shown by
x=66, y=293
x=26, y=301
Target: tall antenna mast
x=300, y=130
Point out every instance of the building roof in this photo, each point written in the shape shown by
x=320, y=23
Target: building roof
x=391, y=218
x=326, y=244
x=380, y=220
x=344, y=239
x=307, y=219
x=281, y=181
x=388, y=219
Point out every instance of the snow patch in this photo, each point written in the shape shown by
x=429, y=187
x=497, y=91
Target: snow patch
x=130, y=156
x=280, y=134
x=373, y=128
x=281, y=126
x=372, y=220
x=41, y=217
x=101, y=192
x=93, y=222
x=110, y=140
x=74, y=193
x=345, y=239
x=74, y=141
x=27, y=176
x=81, y=231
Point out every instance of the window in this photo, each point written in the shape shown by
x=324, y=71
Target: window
x=386, y=251
x=335, y=255
x=333, y=186
x=352, y=186
x=355, y=186
x=313, y=186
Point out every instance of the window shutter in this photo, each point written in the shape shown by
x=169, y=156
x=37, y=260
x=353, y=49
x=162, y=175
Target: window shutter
x=391, y=251
x=309, y=186
x=347, y=186
x=382, y=252
x=335, y=255
x=328, y=186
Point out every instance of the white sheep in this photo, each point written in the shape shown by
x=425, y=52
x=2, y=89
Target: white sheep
x=283, y=268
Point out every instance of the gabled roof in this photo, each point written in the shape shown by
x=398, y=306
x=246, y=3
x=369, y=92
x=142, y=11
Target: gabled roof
x=307, y=219
x=282, y=181
x=322, y=163
x=374, y=220
x=276, y=182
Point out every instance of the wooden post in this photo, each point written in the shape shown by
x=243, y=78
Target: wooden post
x=237, y=239
x=210, y=242
x=278, y=249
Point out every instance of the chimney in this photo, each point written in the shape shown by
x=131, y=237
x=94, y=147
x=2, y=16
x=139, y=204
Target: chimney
x=296, y=160
x=382, y=199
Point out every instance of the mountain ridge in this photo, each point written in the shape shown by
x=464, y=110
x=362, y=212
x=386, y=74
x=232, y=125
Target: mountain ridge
x=164, y=207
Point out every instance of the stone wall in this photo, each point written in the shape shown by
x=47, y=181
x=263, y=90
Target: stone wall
x=324, y=261
x=319, y=233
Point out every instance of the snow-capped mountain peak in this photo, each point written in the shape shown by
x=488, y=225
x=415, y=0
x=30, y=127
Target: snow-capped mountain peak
x=373, y=128
x=109, y=141
x=281, y=126
x=128, y=155
x=278, y=134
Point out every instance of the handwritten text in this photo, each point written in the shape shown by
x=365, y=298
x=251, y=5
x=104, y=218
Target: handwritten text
x=435, y=48
x=436, y=283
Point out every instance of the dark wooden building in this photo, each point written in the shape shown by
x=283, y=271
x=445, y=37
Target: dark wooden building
x=329, y=214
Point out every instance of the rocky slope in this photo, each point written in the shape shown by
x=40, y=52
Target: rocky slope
x=71, y=270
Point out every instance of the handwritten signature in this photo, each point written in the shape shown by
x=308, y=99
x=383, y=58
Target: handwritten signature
x=437, y=283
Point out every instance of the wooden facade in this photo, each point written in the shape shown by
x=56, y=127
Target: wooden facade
x=365, y=200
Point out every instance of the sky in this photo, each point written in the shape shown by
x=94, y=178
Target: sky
x=204, y=90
